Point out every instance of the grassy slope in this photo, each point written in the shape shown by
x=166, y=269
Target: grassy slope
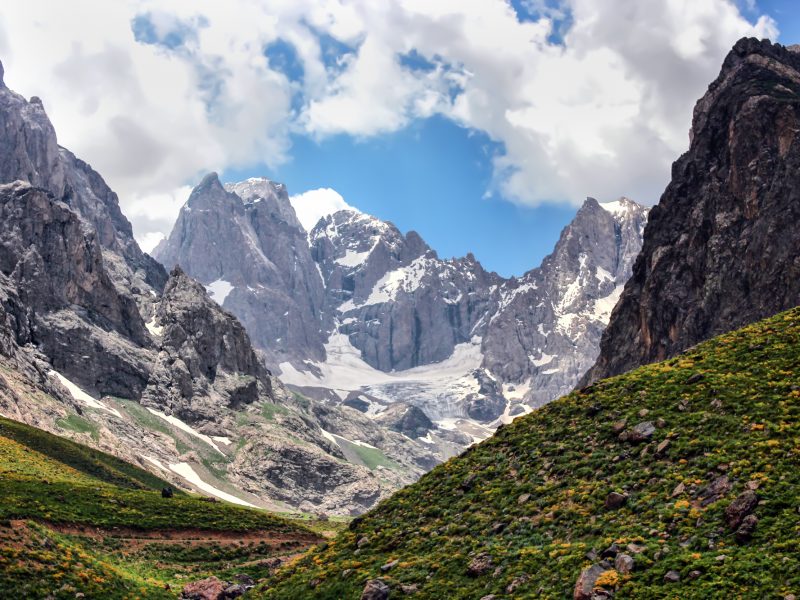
x=741, y=419
x=59, y=482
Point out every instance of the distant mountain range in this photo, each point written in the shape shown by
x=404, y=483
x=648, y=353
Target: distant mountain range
x=356, y=313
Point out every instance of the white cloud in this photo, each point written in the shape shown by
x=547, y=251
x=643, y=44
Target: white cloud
x=604, y=113
x=154, y=214
x=312, y=205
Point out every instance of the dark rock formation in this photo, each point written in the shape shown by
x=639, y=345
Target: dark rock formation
x=406, y=419
x=722, y=248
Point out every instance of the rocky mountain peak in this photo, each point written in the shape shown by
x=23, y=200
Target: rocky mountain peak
x=2, y=75
x=261, y=194
x=720, y=249
x=244, y=243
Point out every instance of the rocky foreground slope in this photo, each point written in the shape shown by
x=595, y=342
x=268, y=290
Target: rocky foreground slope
x=677, y=479
x=722, y=248
x=99, y=342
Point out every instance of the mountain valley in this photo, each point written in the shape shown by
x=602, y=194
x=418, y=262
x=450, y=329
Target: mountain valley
x=267, y=411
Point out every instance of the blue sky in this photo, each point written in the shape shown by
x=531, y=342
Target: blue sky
x=430, y=177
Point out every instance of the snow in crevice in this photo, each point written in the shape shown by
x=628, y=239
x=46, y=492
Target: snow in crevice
x=604, y=306
x=154, y=329
x=543, y=360
x=81, y=396
x=333, y=437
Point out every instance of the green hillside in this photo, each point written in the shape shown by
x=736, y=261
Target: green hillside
x=649, y=461
x=77, y=520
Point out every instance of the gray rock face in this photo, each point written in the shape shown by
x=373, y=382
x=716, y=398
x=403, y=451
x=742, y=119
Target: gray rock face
x=721, y=248
x=64, y=302
x=205, y=358
x=247, y=239
x=399, y=304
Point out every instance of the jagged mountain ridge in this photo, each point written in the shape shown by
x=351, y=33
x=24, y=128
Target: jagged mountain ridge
x=721, y=248
x=99, y=343
x=399, y=324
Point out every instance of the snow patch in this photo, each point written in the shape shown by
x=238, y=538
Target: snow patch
x=353, y=259
x=81, y=396
x=618, y=208
x=334, y=438
x=603, y=275
x=604, y=306
x=186, y=471
x=156, y=462
x=187, y=428
x=219, y=290
x=519, y=390
x=544, y=359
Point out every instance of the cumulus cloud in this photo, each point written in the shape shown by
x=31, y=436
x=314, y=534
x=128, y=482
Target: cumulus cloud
x=313, y=205
x=584, y=96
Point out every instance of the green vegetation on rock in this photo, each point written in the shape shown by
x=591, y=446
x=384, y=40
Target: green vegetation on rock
x=677, y=480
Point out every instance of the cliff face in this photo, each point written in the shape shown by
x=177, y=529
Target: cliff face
x=548, y=327
x=246, y=245
x=722, y=248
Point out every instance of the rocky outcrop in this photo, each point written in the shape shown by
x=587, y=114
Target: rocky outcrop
x=29, y=151
x=407, y=419
x=397, y=302
x=61, y=299
x=548, y=327
x=244, y=242
x=205, y=356
x=721, y=248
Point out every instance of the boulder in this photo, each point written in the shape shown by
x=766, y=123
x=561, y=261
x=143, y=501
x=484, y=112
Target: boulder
x=672, y=577
x=615, y=500
x=623, y=564
x=210, y=588
x=584, y=587
x=375, y=589
x=480, y=565
x=745, y=531
x=743, y=505
x=642, y=432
